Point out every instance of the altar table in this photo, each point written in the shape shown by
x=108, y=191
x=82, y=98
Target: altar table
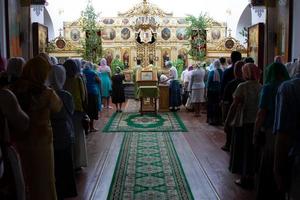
x=148, y=92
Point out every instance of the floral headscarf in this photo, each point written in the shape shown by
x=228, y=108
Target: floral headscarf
x=103, y=62
x=251, y=72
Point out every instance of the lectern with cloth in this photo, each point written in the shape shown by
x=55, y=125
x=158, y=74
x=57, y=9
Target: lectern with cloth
x=148, y=91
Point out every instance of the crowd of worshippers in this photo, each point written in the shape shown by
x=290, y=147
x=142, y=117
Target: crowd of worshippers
x=260, y=114
x=46, y=111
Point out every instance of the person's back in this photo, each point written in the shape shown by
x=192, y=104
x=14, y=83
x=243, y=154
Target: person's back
x=197, y=78
x=36, y=149
x=249, y=91
x=13, y=122
x=91, y=83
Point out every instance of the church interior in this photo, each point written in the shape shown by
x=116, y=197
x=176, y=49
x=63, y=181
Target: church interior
x=141, y=116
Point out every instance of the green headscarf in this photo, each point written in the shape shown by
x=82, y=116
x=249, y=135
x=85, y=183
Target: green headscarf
x=276, y=72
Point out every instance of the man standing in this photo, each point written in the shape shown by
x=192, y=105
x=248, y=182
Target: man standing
x=286, y=127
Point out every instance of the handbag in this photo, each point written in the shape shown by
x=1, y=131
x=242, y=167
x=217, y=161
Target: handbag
x=235, y=116
x=237, y=120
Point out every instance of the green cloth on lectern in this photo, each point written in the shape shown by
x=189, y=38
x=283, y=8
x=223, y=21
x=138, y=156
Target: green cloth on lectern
x=148, y=92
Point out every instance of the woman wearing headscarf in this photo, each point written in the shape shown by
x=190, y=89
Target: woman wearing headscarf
x=63, y=135
x=246, y=97
x=214, y=94
x=105, y=73
x=227, y=99
x=264, y=137
x=13, y=123
x=197, y=86
x=36, y=148
x=76, y=86
x=118, y=94
x=92, y=81
x=174, y=87
x=14, y=68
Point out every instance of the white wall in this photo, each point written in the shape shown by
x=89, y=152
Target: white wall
x=2, y=28
x=296, y=30
x=259, y=14
x=48, y=22
x=37, y=13
x=244, y=21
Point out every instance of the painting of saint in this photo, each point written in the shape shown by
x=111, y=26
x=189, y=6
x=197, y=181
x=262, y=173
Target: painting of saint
x=126, y=59
x=109, y=57
x=166, y=33
x=125, y=33
x=181, y=21
x=215, y=34
x=182, y=54
x=166, y=20
x=181, y=34
x=108, y=34
x=166, y=57
x=108, y=21
x=125, y=21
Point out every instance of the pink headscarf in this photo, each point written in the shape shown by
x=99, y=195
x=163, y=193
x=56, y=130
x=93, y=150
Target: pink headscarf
x=103, y=66
x=251, y=72
x=103, y=62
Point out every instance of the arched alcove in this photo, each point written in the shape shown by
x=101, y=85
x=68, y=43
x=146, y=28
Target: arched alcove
x=244, y=21
x=48, y=22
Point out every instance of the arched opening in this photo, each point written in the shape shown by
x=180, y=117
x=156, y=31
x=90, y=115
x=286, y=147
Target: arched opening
x=48, y=22
x=244, y=22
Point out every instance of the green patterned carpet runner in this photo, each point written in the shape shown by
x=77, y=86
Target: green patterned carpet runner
x=134, y=122
x=148, y=168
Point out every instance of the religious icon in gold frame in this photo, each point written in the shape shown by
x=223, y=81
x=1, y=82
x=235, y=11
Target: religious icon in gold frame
x=146, y=75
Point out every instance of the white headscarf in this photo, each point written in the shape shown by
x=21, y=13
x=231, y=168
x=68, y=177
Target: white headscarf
x=295, y=69
x=217, y=65
x=57, y=77
x=88, y=65
x=54, y=60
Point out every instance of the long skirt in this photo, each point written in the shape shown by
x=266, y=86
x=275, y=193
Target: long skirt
x=38, y=166
x=248, y=150
x=266, y=186
x=79, y=151
x=213, y=107
x=175, y=94
x=197, y=95
x=242, y=150
x=236, y=151
x=93, y=106
x=64, y=174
